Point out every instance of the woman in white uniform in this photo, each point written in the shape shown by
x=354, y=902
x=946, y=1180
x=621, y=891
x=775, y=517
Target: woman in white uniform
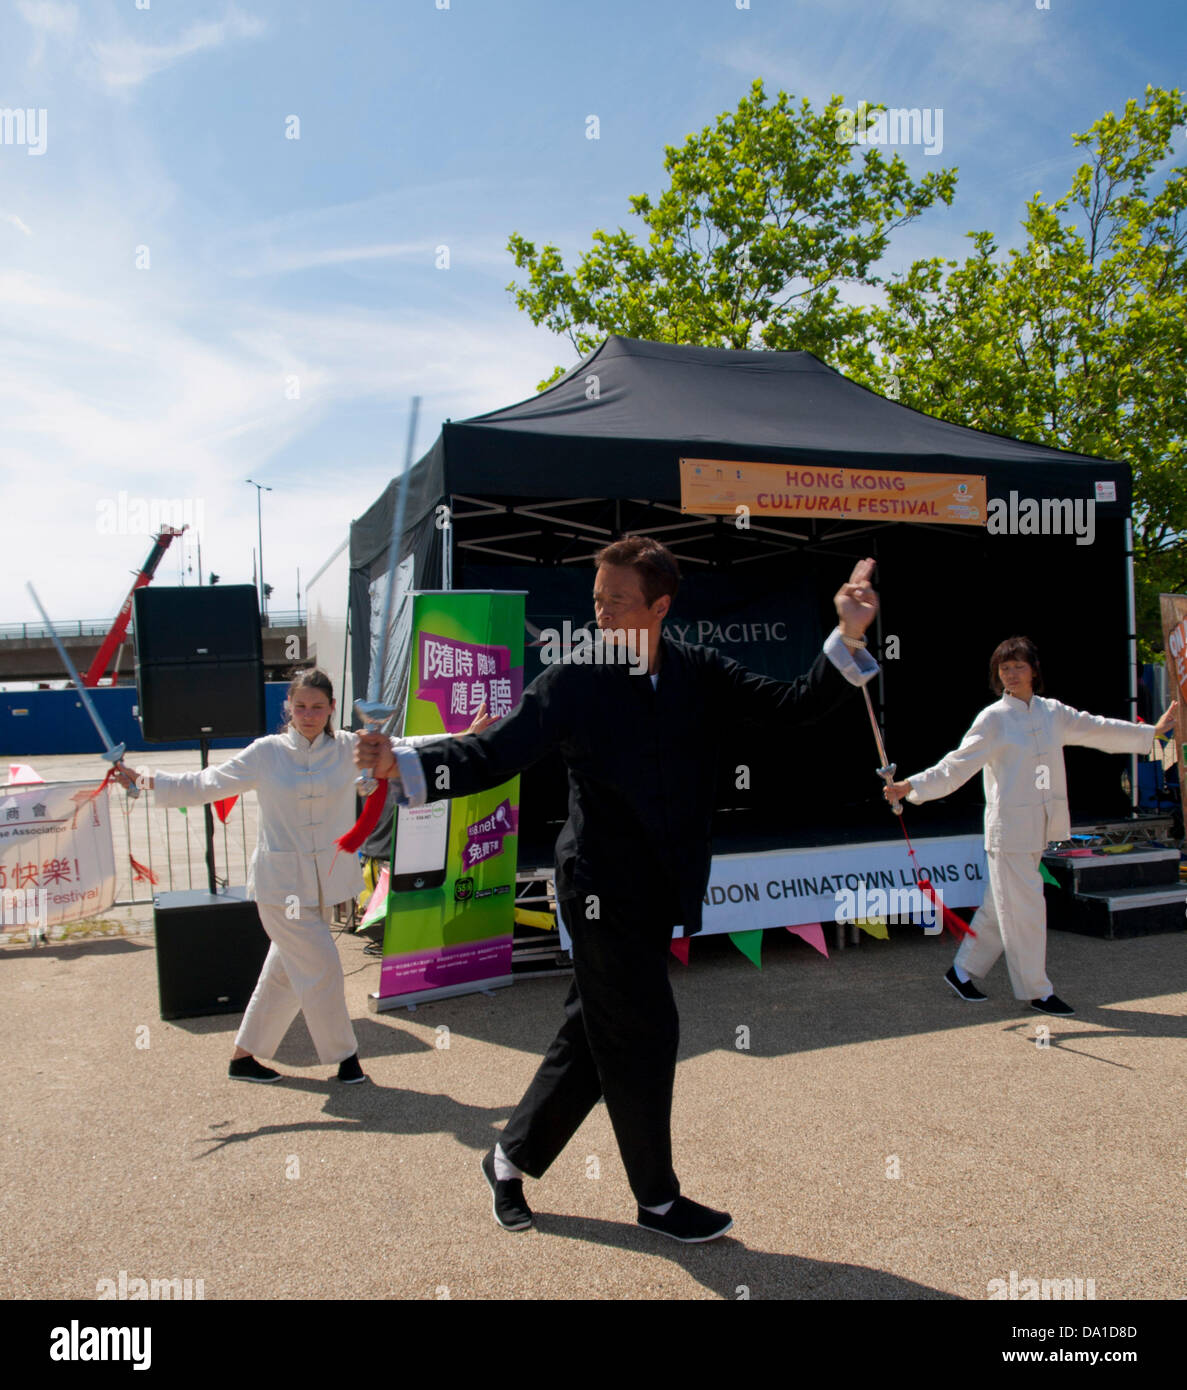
x=1018, y=742
x=304, y=779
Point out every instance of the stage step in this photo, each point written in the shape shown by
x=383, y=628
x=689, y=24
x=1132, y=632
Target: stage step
x=1116, y=895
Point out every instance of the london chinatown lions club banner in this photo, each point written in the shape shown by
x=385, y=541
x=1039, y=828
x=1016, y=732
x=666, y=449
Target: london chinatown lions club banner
x=1174, y=644
x=713, y=487
x=451, y=899
x=57, y=862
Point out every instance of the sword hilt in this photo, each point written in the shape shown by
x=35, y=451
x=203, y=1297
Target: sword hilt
x=115, y=755
x=373, y=713
x=887, y=775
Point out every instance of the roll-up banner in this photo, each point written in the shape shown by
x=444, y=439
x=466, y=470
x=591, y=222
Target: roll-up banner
x=1174, y=644
x=451, y=900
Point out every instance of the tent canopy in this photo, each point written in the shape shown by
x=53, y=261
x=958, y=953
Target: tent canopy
x=536, y=488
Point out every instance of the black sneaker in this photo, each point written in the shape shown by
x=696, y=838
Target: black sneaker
x=350, y=1071
x=965, y=988
x=510, y=1209
x=248, y=1069
x=1053, y=1004
x=687, y=1221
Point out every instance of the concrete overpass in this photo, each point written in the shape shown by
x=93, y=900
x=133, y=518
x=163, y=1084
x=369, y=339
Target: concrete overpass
x=27, y=652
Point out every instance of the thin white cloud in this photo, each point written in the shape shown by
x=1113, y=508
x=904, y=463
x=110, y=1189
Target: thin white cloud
x=47, y=18
x=128, y=62
x=15, y=221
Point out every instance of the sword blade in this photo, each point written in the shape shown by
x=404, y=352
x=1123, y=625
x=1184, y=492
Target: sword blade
x=375, y=682
x=88, y=703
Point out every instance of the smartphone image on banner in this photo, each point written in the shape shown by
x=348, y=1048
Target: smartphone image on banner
x=422, y=847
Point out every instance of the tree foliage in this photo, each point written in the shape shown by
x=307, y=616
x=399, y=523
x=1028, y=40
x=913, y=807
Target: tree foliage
x=1077, y=339
x=766, y=216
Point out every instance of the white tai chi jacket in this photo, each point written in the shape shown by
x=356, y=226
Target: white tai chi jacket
x=1020, y=749
x=306, y=795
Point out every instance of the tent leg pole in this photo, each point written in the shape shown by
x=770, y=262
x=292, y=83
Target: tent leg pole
x=1132, y=626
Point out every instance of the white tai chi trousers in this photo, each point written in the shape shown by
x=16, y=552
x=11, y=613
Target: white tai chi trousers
x=1013, y=918
x=302, y=973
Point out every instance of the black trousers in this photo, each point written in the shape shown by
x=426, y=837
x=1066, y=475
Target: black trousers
x=618, y=1041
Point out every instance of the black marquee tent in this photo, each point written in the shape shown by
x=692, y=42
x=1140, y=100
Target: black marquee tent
x=535, y=489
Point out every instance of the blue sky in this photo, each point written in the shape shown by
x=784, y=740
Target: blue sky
x=315, y=258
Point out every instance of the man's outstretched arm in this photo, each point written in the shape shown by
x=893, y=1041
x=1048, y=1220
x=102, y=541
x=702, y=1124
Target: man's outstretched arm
x=474, y=762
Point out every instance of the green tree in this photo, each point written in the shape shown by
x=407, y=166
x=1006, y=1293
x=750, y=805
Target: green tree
x=767, y=215
x=1076, y=340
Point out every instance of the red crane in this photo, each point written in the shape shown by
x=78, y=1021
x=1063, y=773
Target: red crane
x=119, y=629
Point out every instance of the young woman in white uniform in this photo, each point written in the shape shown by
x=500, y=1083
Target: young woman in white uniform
x=1019, y=742
x=304, y=779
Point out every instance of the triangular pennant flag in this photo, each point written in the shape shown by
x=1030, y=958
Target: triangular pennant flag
x=223, y=807
x=182, y=809
x=376, y=910
x=22, y=773
x=1047, y=876
x=874, y=926
x=141, y=874
x=680, y=945
x=813, y=934
x=750, y=944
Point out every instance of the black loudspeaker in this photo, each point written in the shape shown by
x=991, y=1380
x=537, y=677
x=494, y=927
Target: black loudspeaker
x=210, y=950
x=199, y=662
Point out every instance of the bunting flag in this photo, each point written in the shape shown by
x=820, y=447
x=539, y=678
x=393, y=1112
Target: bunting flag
x=140, y=873
x=750, y=944
x=376, y=909
x=813, y=934
x=1046, y=876
x=874, y=926
x=223, y=807
x=680, y=945
x=361, y=830
x=21, y=773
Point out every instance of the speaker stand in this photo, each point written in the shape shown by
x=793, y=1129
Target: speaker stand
x=204, y=744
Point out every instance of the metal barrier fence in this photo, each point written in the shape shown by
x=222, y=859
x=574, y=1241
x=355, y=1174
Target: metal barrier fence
x=160, y=850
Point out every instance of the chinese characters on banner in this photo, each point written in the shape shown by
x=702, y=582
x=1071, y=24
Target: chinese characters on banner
x=56, y=853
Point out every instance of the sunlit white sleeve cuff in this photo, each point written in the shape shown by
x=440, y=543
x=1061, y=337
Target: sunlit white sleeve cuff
x=413, y=790
x=856, y=666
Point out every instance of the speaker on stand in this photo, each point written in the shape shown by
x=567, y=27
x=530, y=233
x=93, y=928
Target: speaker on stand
x=200, y=675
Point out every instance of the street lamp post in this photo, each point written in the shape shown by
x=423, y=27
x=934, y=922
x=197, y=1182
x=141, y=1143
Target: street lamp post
x=259, y=487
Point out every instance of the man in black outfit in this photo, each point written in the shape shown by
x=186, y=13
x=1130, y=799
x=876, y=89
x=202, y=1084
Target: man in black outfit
x=633, y=859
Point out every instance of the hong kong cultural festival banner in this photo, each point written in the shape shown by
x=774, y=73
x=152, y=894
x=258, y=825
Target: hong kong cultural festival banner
x=451, y=900
x=726, y=487
x=57, y=861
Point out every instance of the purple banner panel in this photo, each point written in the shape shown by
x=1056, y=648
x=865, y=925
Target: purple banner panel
x=459, y=677
x=463, y=964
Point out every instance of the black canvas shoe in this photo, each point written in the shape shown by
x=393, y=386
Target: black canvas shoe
x=687, y=1221
x=248, y=1069
x=350, y=1071
x=510, y=1209
x=965, y=988
x=1053, y=1004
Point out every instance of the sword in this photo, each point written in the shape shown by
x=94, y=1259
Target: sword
x=887, y=770
x=372, y=710
x=113, y=752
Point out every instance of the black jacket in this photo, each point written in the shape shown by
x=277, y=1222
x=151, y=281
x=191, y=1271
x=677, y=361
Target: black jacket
x=641, y=762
